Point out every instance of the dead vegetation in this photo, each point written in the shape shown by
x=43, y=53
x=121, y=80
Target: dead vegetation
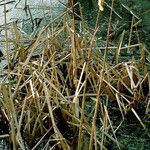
x=58, y=88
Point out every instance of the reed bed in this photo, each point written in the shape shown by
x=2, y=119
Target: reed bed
x=61, y=91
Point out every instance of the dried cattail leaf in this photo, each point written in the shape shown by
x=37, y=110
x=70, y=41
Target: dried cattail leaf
x=101, y=4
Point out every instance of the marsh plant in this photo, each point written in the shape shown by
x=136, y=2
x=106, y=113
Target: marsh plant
x=64, y=90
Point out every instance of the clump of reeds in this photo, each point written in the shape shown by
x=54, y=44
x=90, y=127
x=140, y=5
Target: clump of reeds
x=60, y=88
